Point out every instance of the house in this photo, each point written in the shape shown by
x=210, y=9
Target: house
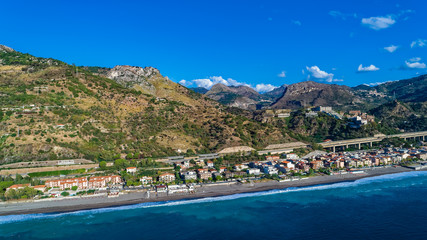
x=62, y=184
x=288, y=164
x=177, y=189
x=254, y=171
x=282, y=168
x=103, y=181
x=210, y=164
x=189, y=175
x=18, y=186
x=422, y=156
x=292, y=156
x=131, y=170
x=375, y=161
x=145, y=180
x=114, y=179
x=40, y=188
x=228, y=174
x=350, y=163
x=97, y=183
x=270, y=170
x=316, y=164
x=240, y=167
x=217, y=175
x=204, y=174
x=167, y=177
x=186, y=163
x=340, y=164
x=222, y=169
x=272, y=158
x=161, y=188
x=303, y=166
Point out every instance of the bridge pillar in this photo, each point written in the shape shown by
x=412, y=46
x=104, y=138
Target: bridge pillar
x=359, y=146
x=370, y=144
x=333, y=149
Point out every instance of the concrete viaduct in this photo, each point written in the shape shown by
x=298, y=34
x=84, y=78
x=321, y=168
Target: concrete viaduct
x=332, y=145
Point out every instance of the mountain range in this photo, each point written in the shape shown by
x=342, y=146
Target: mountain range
x=309, y=93
x=54, y=110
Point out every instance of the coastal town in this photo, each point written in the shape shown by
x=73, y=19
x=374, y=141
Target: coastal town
x=185, y=175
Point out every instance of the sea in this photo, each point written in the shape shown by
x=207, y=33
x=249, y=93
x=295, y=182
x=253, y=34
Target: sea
x=384, y=207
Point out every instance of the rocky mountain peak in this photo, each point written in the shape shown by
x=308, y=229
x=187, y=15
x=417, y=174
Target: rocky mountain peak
x=4, y=48
x=311, y=93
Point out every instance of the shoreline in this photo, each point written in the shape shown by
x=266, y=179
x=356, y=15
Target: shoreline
x=71, y=205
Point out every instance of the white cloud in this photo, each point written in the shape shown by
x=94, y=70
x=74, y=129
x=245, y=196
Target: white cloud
x=209, y=82
x=391, y=48
x=378, y=23
x=415, y=59
x=419, y=43
x=282, y=74
x=415, y=64
x=370, y=68
x=377, y=83
x=183, y=82
x=296, y=22
x=320, y=75
x=341, y=15
x=263, y=88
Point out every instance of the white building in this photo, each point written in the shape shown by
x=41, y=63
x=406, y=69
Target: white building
x=270, y=170
x=254, y=171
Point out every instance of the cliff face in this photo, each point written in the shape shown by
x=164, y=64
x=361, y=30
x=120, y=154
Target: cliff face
x=314, y=94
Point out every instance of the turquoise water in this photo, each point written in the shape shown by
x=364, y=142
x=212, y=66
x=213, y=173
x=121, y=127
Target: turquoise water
x=390, y=206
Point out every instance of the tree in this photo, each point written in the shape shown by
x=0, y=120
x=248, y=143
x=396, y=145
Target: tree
x=103, y=165
x=74, y=188
x=11, y=194
x=64, y=194
x=120, y=163
x=18, y=178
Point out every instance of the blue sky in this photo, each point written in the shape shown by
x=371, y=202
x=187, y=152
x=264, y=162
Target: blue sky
x=234, y=42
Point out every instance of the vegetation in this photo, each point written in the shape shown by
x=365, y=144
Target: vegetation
x=60, y=111
x=24, y=193
x=57, y=173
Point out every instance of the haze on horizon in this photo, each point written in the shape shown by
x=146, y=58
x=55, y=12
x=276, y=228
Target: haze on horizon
x=261, y=44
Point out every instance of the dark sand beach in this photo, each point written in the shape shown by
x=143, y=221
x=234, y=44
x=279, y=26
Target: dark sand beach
x=78, y=203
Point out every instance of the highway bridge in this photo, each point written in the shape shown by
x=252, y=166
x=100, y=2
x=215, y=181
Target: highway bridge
x=358, y=142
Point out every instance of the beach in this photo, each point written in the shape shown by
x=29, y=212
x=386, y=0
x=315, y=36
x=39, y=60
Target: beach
x=76, y=204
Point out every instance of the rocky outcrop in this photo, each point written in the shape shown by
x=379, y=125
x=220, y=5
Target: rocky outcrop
x=129, y=76
x=4, y=48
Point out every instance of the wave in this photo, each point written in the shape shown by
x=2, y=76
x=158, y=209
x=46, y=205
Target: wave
x=363, y=181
